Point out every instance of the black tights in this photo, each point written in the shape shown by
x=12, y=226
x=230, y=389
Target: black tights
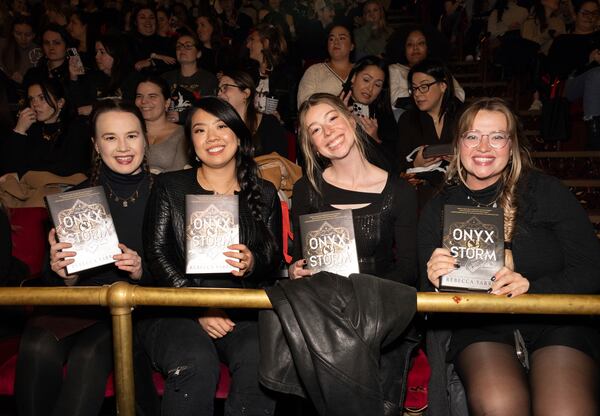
x=562, y=381
x=39, y=384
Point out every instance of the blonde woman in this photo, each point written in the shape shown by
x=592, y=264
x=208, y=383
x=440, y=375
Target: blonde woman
x=550, y=248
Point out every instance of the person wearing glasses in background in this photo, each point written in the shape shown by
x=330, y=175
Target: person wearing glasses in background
x=431, y=122
x=550, y=247
x=189, y=82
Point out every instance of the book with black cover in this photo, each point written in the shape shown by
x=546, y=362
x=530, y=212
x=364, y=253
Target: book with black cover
x=212, y=224
x=475, y=236
x=82, y=218
x=328, y=242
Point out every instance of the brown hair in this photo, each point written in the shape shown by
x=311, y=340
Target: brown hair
x=519, y=162
x=315, y=162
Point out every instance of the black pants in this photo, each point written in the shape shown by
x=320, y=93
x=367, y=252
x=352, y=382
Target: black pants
x=39, y=385
x=189, y=359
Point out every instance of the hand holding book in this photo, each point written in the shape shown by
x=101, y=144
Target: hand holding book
x=60, y=259
x=440, y=263
x=129, y=261
x=509, y=283
x=297, y=270
x=243, y=259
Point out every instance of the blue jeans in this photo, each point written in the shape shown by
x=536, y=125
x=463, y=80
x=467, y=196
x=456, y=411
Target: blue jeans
x=586, y=86
x=189, y=359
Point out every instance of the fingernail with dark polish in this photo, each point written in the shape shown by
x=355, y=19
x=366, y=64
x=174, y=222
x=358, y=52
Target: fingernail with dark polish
x=490, y=290
x=509, y=295
x=493, y=279
x=456, y=266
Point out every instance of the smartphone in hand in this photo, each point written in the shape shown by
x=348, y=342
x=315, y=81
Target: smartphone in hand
x=73, y=54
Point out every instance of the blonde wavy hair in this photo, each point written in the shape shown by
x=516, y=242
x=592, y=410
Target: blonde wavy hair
x=519, y=161
x=315, y=163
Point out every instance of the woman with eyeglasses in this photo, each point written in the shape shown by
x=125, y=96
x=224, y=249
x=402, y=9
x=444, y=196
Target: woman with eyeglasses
x=189, y=82
x=550, y=248
x=268, y=135
x=430, y=123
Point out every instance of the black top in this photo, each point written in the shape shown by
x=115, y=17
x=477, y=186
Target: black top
x=48, y=147
x=570, y=52
x=271, y=137
x=165, y=237
x=385, y=230
x=127, y=220
x=12, y=270
x=95, y=85
x=554, y=245
x=186, y=91
x=143, y=46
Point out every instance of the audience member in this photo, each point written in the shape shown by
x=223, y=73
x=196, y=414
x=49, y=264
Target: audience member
x=225, y=166
x=167, y=148
x=19, y=52
x=82, y=338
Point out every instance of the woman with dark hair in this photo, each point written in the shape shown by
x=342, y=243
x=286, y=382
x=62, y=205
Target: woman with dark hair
x=506, y=16
x=168, y=149
x=275, y=80
x=222, y=147
x=543, y=24
x=215, y=54
x=151, y=52
x=550, y=247
x=54, y=63
x=189, y=82
x=431, y=122
x=416, y=49
x=238, y=89
x=45, y=137
x=82, y=339
x=330, y=76
x=369, y=100
x=19, y=53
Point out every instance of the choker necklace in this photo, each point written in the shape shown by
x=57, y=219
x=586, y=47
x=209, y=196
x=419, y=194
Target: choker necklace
x=480, y=204
x=124, y=201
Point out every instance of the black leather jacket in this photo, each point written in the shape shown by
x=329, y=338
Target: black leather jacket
x=164, y=234
x=327, y=337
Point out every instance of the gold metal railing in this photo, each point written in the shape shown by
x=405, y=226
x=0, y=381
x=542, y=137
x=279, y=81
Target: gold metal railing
x=121, y=298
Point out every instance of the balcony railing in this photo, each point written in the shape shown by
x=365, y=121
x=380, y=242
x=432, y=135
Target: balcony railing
x=122, y=298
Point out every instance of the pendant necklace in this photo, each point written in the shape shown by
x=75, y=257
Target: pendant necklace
x=480, y=204
x=125, y=202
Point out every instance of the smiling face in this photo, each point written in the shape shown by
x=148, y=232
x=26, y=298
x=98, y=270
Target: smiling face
x=214, y=142
x=431, y=100
x=416, y=48
x=587, y=17
x=483, y=164
x=146, y=22
x=103, y=59
x=120, y=141
x=331, y=134
x=23, y=35
x=204, y=30
x=367, y=84
x=55, y=48
x=339, y=43
x=44, y=112
x=151, y=102
x=372, y=14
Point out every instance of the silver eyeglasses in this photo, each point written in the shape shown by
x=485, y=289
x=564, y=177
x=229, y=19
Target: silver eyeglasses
x=497, y=139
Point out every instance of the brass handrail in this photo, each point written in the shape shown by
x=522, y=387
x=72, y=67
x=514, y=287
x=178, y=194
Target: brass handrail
x=121, y=298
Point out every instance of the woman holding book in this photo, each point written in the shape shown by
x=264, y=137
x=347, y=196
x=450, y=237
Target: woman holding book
x=188, y=345
x=339, y=176
x=550, y=247
x=81, y=338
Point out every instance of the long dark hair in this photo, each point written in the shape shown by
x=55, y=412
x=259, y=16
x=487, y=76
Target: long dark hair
x=116, y=47
x=53, y=91
x=381, y=104
x=106, y=106
x=246, y=169
x=11, y=55
x=159, y=81
x=501, y=6
x=440, y=73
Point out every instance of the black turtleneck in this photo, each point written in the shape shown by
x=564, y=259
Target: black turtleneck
x=128, y=220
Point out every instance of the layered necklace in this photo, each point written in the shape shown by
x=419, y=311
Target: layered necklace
x=125, y=202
